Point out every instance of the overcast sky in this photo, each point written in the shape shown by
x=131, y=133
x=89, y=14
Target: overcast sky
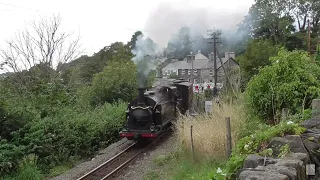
x=101, y=22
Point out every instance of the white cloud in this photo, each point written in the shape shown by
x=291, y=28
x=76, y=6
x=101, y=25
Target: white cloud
x=101, y=22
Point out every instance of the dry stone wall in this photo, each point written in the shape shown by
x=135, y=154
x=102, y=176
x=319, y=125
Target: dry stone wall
x=304, y=150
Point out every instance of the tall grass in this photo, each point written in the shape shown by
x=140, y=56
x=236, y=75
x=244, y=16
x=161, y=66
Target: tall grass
x=27, y=169
x=209, y=130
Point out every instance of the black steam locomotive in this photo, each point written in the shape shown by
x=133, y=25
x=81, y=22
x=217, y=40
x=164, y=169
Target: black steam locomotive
x=154, y=109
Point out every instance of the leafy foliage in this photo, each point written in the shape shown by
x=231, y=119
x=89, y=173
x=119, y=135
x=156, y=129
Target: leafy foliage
x=256, y=56
x=208, y=94
x=291, y=81
x=116, y=82
x=69, y=133
x=181, y=44
x=62, y=117
x=252, y=144
x=82, y=70
x=28, y=169
x=276, y=20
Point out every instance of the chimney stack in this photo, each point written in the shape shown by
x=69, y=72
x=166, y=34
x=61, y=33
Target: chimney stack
x=229, y=55
x=141, y=96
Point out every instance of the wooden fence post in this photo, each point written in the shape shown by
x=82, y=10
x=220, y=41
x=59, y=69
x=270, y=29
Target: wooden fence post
x=315, y=107
x=192, y=148
x=229, y=140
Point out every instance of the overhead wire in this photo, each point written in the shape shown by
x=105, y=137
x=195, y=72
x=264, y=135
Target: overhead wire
x=13, y=5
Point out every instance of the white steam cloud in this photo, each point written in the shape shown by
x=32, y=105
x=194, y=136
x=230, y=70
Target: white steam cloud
x=169, y=17
x=144, y=52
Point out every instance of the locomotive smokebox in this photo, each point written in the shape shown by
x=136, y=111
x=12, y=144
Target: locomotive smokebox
x=141, y=96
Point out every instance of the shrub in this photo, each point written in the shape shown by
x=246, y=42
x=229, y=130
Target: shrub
x=292, y=81
x=27, y=170
x=252, y=144
x=208, y=94
x=67, y=134
x=116, y=82
x=256, y=56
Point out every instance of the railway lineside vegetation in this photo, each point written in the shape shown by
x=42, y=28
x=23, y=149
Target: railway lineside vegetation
x=291, y=80
x=50, y=120
x=279, y=70
x=52, y=115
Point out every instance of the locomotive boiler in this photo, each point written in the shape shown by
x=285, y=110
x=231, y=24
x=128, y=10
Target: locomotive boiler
x=154, y=109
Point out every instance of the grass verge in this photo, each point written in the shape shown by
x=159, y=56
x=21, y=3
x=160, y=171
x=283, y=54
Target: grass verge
x=179, y=166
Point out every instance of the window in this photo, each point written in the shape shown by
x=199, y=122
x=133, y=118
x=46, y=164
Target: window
x=195, y=72
x=202, y=71
x=183, y=71
x=165, y=72
x=189, y=72
x=210, y=72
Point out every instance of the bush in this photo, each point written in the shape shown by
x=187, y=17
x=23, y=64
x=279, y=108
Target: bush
x=67, y=134
x=27, y=170
x=208, y=94
x=256, y=56
x=116, y=82
x=252, y=144
x=292, y=81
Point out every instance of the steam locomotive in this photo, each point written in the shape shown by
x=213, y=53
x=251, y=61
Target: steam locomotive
x=153, y=110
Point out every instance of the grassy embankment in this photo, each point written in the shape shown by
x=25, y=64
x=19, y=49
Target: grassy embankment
x=209, y=137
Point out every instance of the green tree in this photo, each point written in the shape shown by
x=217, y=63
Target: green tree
x=276, y=20
x=291, y=81
x=181, y=44
x=82, y=70
x=116, y=82
x=134, y=38
x=256, y=56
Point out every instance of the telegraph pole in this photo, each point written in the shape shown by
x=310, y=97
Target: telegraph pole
x=309, y=38
x=214, y=38
x=192, y=68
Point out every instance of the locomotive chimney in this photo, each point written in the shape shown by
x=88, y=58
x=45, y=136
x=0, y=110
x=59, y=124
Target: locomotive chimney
x=141, y=95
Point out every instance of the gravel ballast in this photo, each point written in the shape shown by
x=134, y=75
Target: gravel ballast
x=103, y=156
x=136, y=170
x=144, y=164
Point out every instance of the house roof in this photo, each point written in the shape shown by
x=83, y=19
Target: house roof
x=161, y=60
x=200, y=62
x=200, y=56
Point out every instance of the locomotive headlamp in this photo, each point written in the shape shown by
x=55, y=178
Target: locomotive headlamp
x=152, y=128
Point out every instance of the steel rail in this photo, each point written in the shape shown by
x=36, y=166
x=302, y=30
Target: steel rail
x=114, y=170
x=133, y=157
x=105, y=163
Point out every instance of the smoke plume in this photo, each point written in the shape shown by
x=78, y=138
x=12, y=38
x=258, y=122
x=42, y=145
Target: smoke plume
x=169, y=17
x=144, y=52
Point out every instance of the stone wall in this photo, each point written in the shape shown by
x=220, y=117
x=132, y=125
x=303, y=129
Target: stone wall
x=304, y=150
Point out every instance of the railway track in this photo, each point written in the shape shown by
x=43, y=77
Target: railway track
x=109, y=168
